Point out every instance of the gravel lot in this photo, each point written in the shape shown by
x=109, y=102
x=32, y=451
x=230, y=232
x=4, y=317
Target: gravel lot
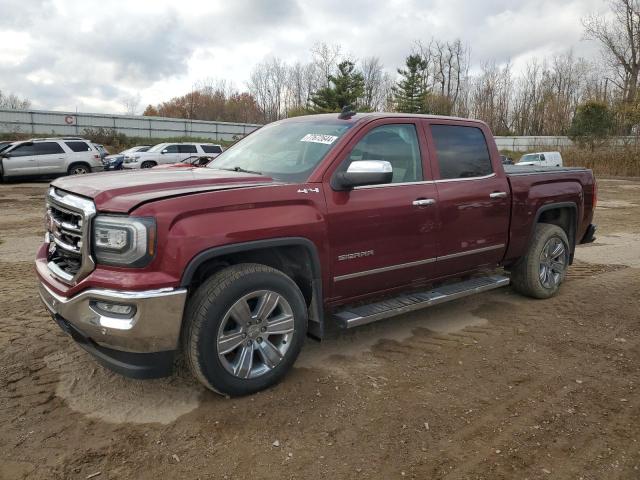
x=489, y=387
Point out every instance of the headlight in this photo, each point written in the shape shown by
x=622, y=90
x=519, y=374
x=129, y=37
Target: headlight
x=124, y=241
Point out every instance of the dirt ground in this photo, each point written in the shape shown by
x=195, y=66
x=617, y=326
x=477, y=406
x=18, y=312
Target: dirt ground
x=489, y=387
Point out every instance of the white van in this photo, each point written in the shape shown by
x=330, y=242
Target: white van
x=542, y=159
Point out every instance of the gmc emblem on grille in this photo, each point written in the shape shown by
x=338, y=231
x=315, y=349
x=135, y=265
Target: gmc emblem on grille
x=351, y=256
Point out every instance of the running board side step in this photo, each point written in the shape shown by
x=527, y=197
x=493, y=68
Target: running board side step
x=363, y=314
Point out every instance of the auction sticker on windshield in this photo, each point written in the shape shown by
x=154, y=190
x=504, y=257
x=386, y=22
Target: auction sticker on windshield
x=319, y=138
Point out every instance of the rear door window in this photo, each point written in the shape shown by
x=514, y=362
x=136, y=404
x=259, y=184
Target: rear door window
x=78, y=146
x=211, y=148
x=47, y=148
x=462, y=151
x=187, y=149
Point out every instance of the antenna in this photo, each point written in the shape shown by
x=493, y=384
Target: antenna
x=346, y=113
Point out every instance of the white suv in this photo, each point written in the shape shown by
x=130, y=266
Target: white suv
x=48, y=157
x=166, y=153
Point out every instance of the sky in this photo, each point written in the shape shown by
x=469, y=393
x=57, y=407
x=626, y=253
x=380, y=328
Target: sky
x=93, y=55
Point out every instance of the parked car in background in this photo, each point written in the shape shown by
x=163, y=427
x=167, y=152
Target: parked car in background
x=169, y=153
x=49, y=157
x=542, y=159
x=506, y=160
x=4, y=145
x=195, y=161
x=114, y=162
x=102, y=150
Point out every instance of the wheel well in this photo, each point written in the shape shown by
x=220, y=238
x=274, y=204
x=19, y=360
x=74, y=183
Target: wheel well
x=293, y=260
x=563, y=217
x=84, y=164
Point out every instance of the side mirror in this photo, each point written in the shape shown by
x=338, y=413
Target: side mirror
x=363, y=172
x=163, y=151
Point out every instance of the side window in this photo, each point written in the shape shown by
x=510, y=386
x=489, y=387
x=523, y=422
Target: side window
x=398, y=145
x=23, y=150
x=78, y=146
x=462, y=151
x=47, y=148
x=187, y=149
x=211, y=148
x=170, y=149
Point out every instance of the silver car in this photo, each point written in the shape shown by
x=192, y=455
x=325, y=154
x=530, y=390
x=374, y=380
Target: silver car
x=49, y=157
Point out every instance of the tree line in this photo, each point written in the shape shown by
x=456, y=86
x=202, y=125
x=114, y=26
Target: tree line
x=563, y=95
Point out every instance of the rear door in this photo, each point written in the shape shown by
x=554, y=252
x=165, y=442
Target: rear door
x=187, y=150
x=212, y=150
x=51, y=158
x=383, y=236
x=473, y=197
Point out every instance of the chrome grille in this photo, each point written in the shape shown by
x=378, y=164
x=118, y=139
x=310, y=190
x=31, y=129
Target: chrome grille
x=68, y=221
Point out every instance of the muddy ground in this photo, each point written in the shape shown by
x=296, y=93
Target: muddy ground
x=489, y=387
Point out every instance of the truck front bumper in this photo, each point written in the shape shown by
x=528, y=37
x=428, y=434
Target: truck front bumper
x=133, y=333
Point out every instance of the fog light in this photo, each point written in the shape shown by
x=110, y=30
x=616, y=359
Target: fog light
x=115, y=309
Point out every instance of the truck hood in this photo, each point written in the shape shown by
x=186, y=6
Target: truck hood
x=122, y=191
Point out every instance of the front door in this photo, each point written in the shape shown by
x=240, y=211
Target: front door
x=384, y=236
x=169, y=155
x=473, y=199
x=22, y=160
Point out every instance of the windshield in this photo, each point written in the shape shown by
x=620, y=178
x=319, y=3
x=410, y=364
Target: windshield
x=157, y=148
x=287, y=151
x=531, y=157
x=4, y=146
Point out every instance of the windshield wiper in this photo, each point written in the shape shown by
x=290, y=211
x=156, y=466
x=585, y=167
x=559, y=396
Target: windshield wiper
x=240, y=169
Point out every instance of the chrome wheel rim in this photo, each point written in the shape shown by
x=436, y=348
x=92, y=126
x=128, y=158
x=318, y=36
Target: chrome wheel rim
x=553, y=262
x=255, y=334
x=79, y=171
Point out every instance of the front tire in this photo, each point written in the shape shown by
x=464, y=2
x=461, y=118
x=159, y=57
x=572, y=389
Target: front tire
x=148, y=164
x=543, y=268
x=244, y=328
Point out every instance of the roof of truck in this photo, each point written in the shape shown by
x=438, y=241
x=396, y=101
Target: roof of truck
x=360, y=116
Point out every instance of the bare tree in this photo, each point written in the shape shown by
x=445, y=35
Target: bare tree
x=14, y=102
x=326, y=58
x=620, y=41
x=268, y=84
x=376, y=83
x=131, y=104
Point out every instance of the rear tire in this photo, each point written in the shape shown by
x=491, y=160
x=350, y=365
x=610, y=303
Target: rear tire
x=78, y=169
x=148, y=164
x=542, y=270
x=244, y=328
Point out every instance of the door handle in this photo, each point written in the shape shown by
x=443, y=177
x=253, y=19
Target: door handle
x=498, y=195
x=423, y=202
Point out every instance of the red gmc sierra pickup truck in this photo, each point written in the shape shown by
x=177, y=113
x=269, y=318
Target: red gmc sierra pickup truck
x=347, y=218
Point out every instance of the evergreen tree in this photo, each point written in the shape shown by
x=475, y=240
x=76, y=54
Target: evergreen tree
x=409, y=92
x=345, y=88
x=592, y=124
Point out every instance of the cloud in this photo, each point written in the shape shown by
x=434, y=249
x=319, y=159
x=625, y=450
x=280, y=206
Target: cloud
x=92, y=54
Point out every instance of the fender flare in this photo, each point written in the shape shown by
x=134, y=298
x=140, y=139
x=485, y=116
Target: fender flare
x=554, y=206
x=316, y=320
